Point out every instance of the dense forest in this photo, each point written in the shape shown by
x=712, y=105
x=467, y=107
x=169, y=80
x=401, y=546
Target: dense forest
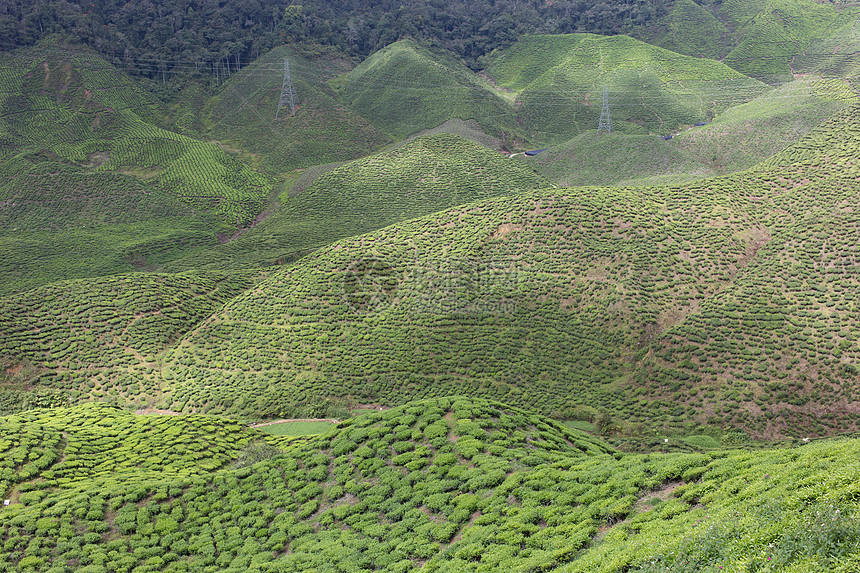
x=160, y=38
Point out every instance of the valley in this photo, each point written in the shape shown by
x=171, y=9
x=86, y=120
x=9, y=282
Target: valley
x=486, y=334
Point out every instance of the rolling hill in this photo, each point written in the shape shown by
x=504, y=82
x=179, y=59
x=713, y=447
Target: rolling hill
x=558, y=82
x=406, y=88
x=427, y=174
x=73, y=104
x=91, y=186
x=550, y=299
x=565, y=362
x=447, y=484
x=456, y=300
x=323, y=129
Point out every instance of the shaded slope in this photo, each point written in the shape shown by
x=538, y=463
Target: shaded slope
x=405, y=88
x=692, y=30
x=71, y=103
x=767, y=40
x=559, y=79
x=616, y=158
x=752, y=132
x=835, y=55
x=322, y=131
x=100, y=337
x=62, y=221
x=429, y=174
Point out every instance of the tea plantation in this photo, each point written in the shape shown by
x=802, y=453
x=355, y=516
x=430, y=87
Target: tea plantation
x=67, y=102
x=425, y=175
x=630, y=352
x=100, y=338
x=447, y=484
x=614, y=278
x=558, y=80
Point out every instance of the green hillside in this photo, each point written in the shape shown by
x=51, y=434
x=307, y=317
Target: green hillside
x=777, y=350
x=428, y=174
x=835, y=55
x=100, y=338
x=549, y=299
x=692, y=29
x=69, y=103
x=542, y=299
x=406, y=88
x=323, y=130
x=736, y=139
x=746, y=134
x=771, y=33
x=436, y=485
x=558, y=80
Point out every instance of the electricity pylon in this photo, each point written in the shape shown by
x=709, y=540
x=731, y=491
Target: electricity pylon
x=605, y=122
x=288, y=94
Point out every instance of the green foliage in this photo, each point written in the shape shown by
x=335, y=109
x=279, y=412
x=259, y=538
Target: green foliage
x=48, y=451
x=102, y=337
x=70, y=103
x=405, y=88
x=551, y=498
x=559, y=79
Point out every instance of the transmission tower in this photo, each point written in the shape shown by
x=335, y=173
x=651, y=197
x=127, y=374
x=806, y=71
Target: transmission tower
x=605, y=122
x=288, y=94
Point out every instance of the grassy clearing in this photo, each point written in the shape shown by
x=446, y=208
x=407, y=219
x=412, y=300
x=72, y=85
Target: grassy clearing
x=297, y=428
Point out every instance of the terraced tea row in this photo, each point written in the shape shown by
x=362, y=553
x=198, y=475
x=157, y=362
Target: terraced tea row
x=454, y=301
x=101, y=338
x=449, y=485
